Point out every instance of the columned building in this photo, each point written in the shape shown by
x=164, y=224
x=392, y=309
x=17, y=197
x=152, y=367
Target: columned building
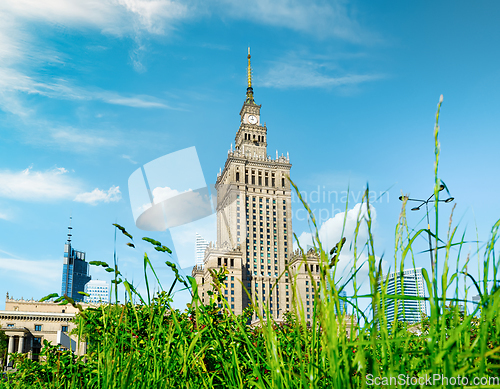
x=28, y=323
x=254, y=220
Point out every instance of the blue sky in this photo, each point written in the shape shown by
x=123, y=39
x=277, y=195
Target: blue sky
x=91, y=91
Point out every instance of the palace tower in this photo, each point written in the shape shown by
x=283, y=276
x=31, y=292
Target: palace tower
x=254, y=221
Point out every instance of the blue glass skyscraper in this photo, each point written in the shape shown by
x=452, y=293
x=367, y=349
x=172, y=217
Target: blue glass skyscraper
x=75, y=271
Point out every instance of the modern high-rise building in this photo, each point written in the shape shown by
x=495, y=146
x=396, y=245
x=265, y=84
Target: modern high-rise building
x=201, y=245
x=254, y=220
x=410, y=282
x=343, y=303
x=98, y=292
x=75, y=271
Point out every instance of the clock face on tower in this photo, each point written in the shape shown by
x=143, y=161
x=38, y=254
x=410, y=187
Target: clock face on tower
x=252, y=119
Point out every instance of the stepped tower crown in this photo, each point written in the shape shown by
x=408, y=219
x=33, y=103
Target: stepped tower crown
x=251, y=136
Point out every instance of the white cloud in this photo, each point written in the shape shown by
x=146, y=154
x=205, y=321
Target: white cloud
x=160, y=194
x=53, y=184
x=113, y=194
x=116, y=17
x=32, y=185
x=332, y=230
x=4, y=216
x=131, y=18
x=310, y=74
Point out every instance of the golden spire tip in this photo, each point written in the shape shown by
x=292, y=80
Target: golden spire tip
x=249, y=70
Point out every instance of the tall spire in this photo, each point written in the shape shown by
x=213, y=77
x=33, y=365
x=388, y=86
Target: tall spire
x=249, y=77
x=249, y=70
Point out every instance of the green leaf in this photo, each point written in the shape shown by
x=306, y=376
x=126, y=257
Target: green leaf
x=131, y=245
x=48, y=297
x=124, y=232
x=98, y=263
x=163, y=249
x=85, y=294
x=194, y=287
x=109, y=270
x=152, y=241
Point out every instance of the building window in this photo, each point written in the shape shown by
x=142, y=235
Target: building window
x=10, y=325
x=64, y=328
x=38, y=327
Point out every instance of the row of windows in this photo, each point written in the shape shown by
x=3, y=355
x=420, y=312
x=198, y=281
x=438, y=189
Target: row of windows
x=231, y=262
x=38, y=327
x=254, y=199
x=258, y=138
x=258, y=178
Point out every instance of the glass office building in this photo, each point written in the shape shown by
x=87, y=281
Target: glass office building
x=75, y=272
x=410, y=283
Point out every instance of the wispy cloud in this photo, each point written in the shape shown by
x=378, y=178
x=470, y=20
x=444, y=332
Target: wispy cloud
x=113, y=194
x=40, y=272
x=13, y=81
x=135, y=102
x=80, y=139
x=129, y=158
x=317, y=17
x=296, y=73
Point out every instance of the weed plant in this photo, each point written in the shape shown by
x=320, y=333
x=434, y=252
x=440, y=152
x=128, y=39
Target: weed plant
x=149, y=344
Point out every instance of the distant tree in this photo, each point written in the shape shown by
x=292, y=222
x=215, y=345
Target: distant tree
x=4, y=341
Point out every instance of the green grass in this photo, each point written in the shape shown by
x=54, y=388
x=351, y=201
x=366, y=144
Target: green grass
x=150, y=345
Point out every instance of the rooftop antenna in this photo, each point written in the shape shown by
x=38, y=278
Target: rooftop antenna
x=69, y=230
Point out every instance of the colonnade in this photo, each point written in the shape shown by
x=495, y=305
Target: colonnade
x=20, y=345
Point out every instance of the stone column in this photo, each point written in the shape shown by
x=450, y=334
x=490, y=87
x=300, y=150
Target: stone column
x=10, y=349
x=20, y=348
